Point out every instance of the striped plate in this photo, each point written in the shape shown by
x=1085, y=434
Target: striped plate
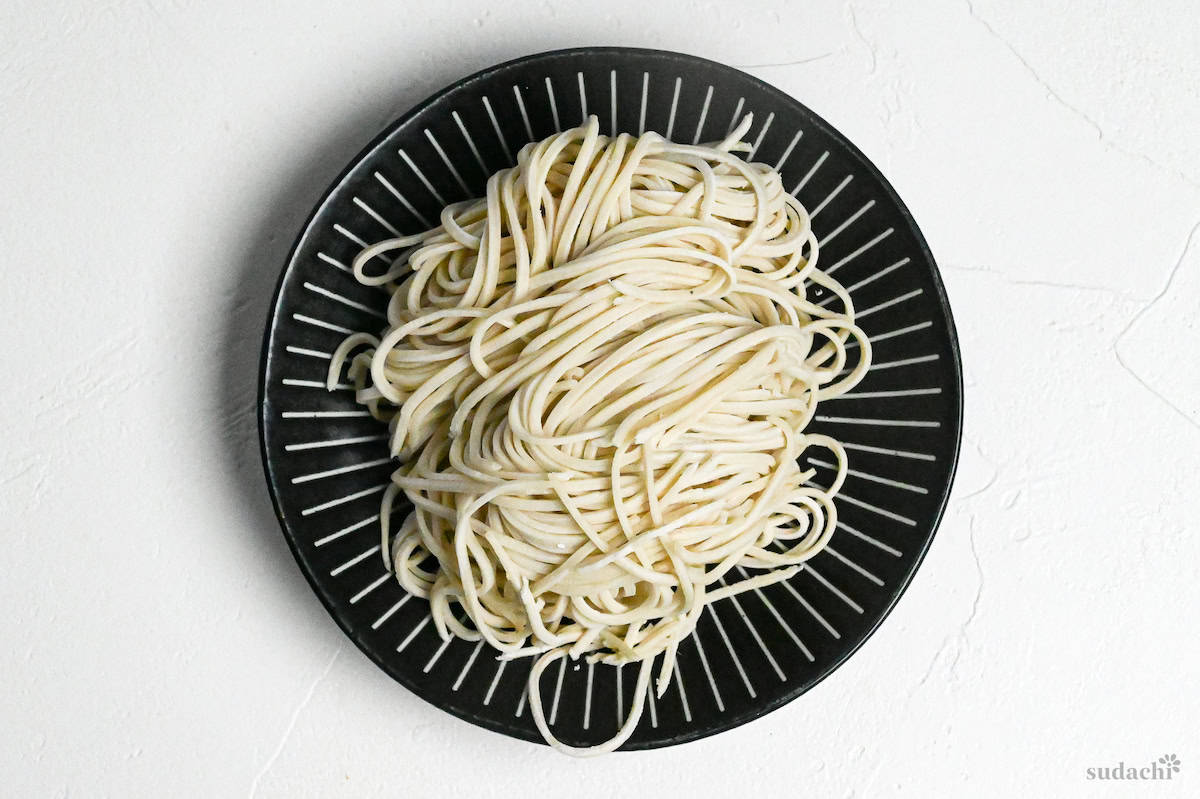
x=327, y=463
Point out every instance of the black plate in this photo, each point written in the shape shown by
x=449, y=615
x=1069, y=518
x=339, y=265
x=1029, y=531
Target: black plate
x=326, y=461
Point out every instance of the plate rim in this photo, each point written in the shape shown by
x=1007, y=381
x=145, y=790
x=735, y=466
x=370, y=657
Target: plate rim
x=757, y=710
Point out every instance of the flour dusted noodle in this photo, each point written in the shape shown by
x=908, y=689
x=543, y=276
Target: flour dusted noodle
x=598, y=380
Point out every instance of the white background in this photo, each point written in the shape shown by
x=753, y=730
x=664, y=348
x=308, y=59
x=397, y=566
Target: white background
x=157, y=159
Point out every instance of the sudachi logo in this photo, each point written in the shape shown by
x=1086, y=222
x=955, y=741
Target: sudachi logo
x=1162, y=769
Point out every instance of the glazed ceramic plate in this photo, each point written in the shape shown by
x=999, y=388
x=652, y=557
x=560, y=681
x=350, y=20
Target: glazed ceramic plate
x=327, y=462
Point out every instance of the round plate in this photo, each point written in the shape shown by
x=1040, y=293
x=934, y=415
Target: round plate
x=327, y=461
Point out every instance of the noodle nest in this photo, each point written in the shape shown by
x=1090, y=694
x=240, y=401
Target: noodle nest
x=598, y=380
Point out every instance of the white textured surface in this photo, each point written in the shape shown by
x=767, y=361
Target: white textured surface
x=157, y=159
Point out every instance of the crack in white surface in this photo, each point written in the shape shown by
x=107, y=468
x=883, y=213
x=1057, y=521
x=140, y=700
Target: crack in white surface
x=992, y=479
x=1053, y=284
x=963, y=628
x=858, y=34
x=1074, y=109
x=960, y=639
x=15, y=476
x=796, y=63
x=1116, y=346
x=287, y=733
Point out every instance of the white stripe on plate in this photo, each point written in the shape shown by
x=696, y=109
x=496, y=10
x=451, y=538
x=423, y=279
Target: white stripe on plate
x=878, y=337
x=395, y=231
x=732, y=652
x=612, y=110
x=853, y=565
x=413, y=634
x=333, y=262
x=553, y=104
x=445, y=160
x=320, y=542
x=737, y=114
x=421, y=177
x=712, y=683
x=653, y=706
x=334, y=442
x=521, y=704
x=687, y=711
x=342, y=500
x=437, y=654
x=323, y=414
x=291, y=381
x=877, y=422
x=808, y=176
x=833, y=589
x=808, y=606
x=703, y=115
x=470, y=662
x=874, y=478
x=305, y=351
x=375, y=584
x=761, y=133
x=387, y=184
x=888, y=303
x=791, y=146
x=387, y=614
x=587, y=699
x=906, y=392
x=847, y=259
x=333, y=295
x=829, y=198
x=354, y=467
x=487, y=699
x=562, y=663
x=620, y=697
x=872, y=541
x=779, y=618
x=898, y=453
x=342, y=230
x=757, y=638
x=354, y=561
x=470, y=142
x=487, y=106
x=876, y=509
x=849, y=221
x=674, y=106
x=642, y=114
x=308, y=320
x=524, y=113
x=902, y=362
